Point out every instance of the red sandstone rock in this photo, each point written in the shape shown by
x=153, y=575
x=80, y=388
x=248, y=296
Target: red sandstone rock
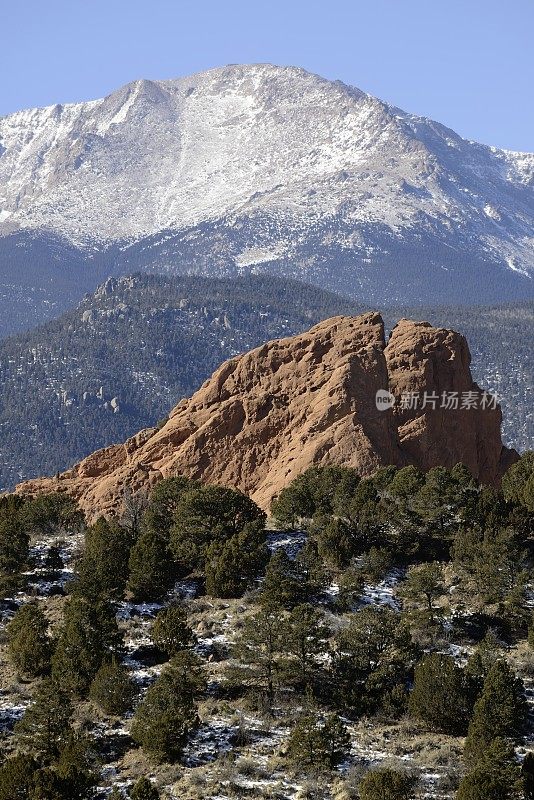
x=266, y=416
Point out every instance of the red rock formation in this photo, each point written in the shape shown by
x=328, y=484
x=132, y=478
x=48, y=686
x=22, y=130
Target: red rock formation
x=266, y=416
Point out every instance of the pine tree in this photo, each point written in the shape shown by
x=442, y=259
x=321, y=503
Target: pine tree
x=423, y=585
x=386, y=784
x=256, y=653
x=17, y=776
x=112, y=689
x=167, y=715
x=144, y=790
x=350, y=584
x=208, y=514
x=44, y=728
x=439, y=498
x=51, y=514
x=29, y=646
x=14, y=543
x=284, y=584
x=233, y=566
x=440, y=696
x=527, y=775
x=170, y=631
x=150, y=566
x=376, y=563
x=335, y=541
x=53, y=562
x=500, y=712
x=481, y=661
x=496, y=776
x=305, y=637
x=75, y=768
x=163, y=502
x=517, y=478
x=103, y=568
x=317, y=744
x=89, y=635
x=48, y=785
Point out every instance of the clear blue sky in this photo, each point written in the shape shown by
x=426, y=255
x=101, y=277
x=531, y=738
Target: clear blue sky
x=467, y=63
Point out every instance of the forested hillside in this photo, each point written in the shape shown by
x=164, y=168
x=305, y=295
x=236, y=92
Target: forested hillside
x=374, y=642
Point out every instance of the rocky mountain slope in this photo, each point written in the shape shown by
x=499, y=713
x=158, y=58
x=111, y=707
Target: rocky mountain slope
x=264, y=168
x=127, y=354
x=263, y=418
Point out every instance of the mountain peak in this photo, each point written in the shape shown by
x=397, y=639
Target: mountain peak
x=279, y=169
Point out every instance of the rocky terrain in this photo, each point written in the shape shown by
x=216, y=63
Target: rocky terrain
x=262, y=168
x=264, y=417
x=127, y=354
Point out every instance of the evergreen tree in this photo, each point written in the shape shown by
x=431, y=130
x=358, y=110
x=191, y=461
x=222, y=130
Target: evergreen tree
x=103, y=568
x=336, y=543
x=284, y=583
x=144, y=790
x=424, y=584
x=187, y=671
x=53, y=562
x=112, y=689
x=363, y=514
x=386, y=784
x=441, y=695
x=316, y=743
x=481, y=661
x=319, y=490
x=305, y=637
x=75, y=768
x=406, y=483
x=170, y=631
x=233, y=566
x=376, y=563
x=500, y=712
x=517, y=478
x=350, y=584
x=256, y=653
x=14, y=542
x=439, y=498
x=89, y=635
x=48, y=785
x=29, y=646
x=496, y=775
x=372, y=656
x=208, y=514
x=167, y=715
x=44, y=728
x=150, y=566
x=527, y=775
x=50, y=514
x=17, y=775
x=163, y=502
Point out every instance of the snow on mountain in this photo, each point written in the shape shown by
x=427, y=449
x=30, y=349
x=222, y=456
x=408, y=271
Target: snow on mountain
x=264, y=167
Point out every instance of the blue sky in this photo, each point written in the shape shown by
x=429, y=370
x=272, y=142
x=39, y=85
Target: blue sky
x=466, y=63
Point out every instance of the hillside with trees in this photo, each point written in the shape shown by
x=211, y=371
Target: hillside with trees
x=371, y=640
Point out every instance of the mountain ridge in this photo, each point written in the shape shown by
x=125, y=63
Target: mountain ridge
x=264, y=168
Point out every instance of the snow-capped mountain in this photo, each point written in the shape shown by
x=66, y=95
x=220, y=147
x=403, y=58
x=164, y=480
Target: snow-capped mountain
x=250, y=168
